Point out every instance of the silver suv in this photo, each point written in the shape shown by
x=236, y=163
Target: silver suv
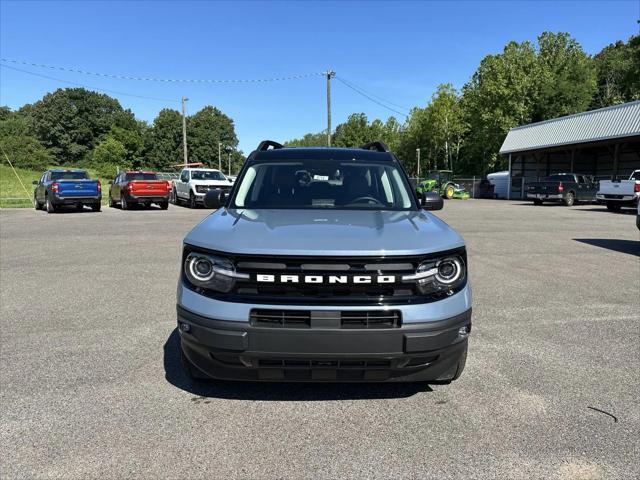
x=322, y=264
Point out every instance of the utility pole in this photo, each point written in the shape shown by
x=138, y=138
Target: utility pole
x=219, y=156
x=184, y=128
x=229, y=164
x=330, y=74
x=418, y=159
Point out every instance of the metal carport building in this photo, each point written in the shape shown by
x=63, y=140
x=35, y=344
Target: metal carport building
x=604, y=143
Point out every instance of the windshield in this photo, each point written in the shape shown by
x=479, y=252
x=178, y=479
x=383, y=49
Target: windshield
x=69, y=175
x=206, y=175
x=324, y=184
x=141, y=176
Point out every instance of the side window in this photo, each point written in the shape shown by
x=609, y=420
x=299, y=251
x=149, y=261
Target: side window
x=184, y=176
x=580, y=179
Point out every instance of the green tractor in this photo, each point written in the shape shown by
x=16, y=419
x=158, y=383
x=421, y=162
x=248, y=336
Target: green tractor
x=441, y=181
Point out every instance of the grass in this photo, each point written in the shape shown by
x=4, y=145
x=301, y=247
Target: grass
x=13, y=195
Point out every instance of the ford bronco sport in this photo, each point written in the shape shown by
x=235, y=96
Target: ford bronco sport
x=322, y=264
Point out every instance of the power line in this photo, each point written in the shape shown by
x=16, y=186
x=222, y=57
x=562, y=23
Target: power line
x=355, y=89
x=163, y=80
x=389, y=102
x=89, y=87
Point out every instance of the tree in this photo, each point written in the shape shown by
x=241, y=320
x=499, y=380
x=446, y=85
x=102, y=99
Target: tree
x=205, y=129
x=618, y=73
x=22, y=149
x=309, y=140
x=69, y=122
x=501, y=95
x=163, y=141
x=109, y=156
x=566, y=76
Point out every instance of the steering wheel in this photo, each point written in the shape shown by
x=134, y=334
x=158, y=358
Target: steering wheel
x=365, y=199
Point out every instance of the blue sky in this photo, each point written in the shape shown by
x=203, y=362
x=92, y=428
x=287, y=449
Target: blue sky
x=397, y=51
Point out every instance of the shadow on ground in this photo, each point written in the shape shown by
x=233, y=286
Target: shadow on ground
x=278, y=391
x=630, y=247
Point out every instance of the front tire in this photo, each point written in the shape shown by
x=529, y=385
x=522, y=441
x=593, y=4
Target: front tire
x=192, y=200
x=111, y=204
x=36, y=204
x=537, y=202
x=570, y=199
x=124, y=205
x=613, y=207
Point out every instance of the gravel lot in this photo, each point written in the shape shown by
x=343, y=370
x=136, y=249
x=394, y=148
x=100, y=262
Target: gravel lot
x=91, y=385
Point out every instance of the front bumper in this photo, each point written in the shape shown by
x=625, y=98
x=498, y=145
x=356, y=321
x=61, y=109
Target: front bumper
x=425, y=351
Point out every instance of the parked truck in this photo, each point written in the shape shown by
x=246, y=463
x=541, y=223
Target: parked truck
x=131, y=188
x=567, y=188
x=59, y=187
x=616, y=194
x=193, y=183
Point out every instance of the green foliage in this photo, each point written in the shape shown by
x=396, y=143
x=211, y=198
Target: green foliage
x=69, y=122
x=163, y=141
x=24, y=152
x=108, y=157
x=357, y=131
x=309, y=140
x=567, y=77
x=207, y=128
x=618, y=73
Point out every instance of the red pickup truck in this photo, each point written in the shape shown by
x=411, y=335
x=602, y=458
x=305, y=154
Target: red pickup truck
x=139, y=188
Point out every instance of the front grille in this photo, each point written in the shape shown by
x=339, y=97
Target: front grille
x=321, y=363
x=325, y=293
x=351, y=319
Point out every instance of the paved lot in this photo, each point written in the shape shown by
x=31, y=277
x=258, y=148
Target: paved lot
x=91, y=386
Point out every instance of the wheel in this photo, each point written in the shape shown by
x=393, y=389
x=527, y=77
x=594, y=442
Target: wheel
x=613, y=207
x=96, y=207
x=164, y=205
x=111, y=204
x=189, y=369
x=192, y=200
x=537, y=201
x=124, y=205
x=79, y=207
x=449, y=190
x=36, y=204
x=51, y=208
x=173, y=198
x=570, y=199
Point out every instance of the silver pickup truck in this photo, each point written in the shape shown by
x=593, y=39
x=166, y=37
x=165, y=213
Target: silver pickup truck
x=323, y=264
x=619, y=193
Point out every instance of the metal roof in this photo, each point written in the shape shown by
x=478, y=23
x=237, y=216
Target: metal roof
x=603, y=124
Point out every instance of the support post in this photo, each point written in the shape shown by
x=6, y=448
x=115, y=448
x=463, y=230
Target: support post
x=220, y=156
x=330, y=74
x=184, y=129
x=509, y=187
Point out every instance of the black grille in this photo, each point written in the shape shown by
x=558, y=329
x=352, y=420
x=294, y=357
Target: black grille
x=321, y=363
x=358, y=319
x=252, y=291
x=280, y=318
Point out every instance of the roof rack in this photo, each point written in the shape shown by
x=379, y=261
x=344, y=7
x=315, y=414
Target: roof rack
x=265, y=144
x=378, y=146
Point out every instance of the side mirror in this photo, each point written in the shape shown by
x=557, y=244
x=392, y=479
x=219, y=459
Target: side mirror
x=431, y=201
x=214, y=198
x=35, y=182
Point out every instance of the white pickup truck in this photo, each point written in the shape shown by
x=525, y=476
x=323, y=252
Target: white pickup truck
x=620, y=193
x=193, y=183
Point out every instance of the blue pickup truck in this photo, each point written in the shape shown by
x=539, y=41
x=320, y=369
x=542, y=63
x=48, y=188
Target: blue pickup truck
x=58, y=187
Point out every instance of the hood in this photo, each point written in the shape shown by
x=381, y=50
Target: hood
x=323, y=233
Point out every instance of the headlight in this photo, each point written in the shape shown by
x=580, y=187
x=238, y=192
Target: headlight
x=444, y=275
x=211, y=272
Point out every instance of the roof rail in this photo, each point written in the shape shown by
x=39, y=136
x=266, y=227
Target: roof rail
x=265, y=144
x=378, y=146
